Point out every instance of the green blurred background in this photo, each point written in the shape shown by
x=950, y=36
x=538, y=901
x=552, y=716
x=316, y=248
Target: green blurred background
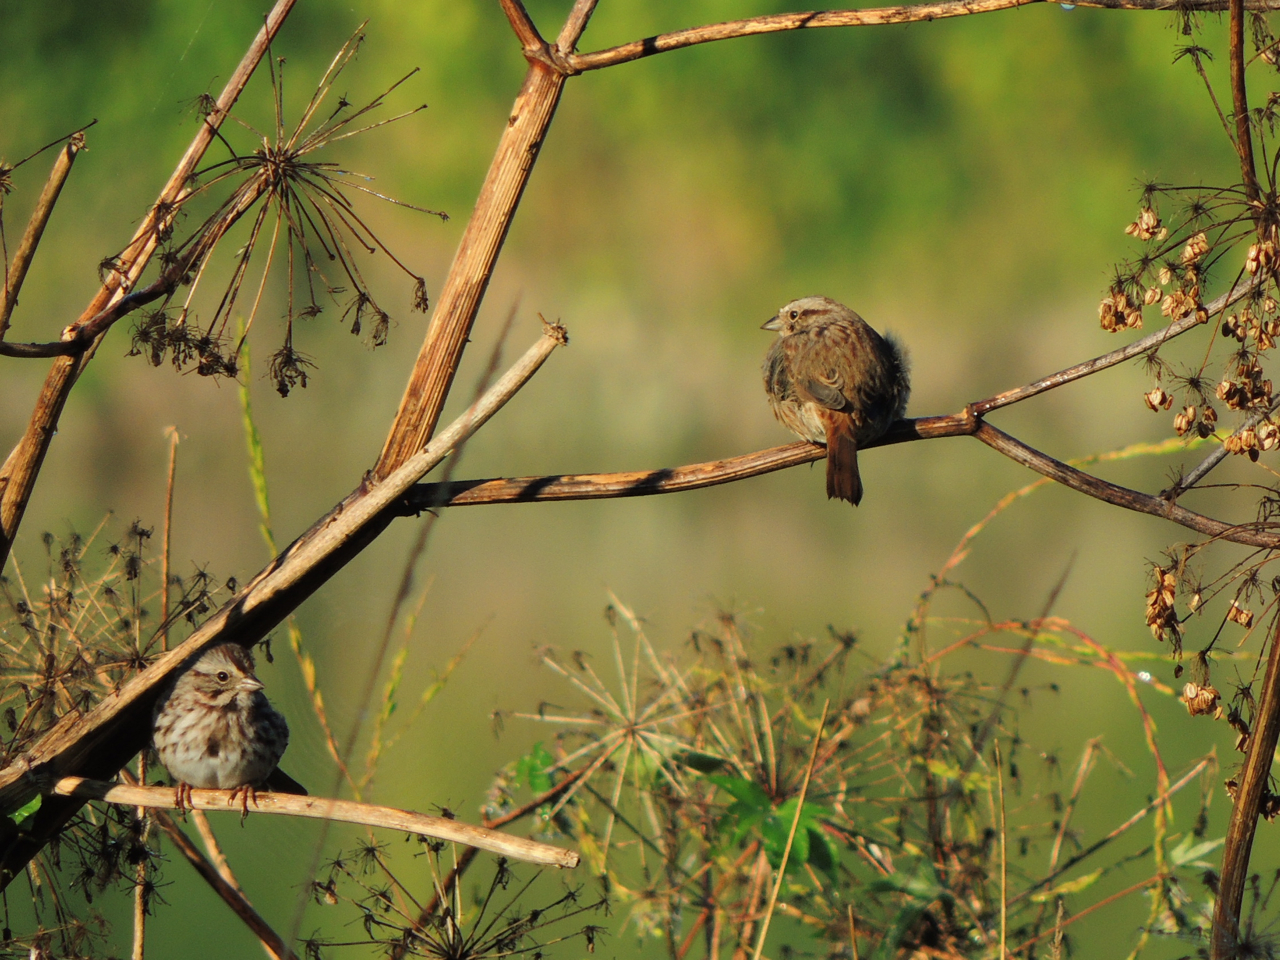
x=964, y=183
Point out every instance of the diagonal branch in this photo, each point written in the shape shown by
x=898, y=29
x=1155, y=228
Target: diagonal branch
x=20, y=469
x=322, y=808
x=100, y=743
x=1252, y=534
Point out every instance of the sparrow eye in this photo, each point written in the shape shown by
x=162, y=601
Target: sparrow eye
x=795, y=314
x=222, y=676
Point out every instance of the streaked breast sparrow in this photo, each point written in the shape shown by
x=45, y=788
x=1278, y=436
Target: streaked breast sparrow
x=215, y=728
x=833, y=380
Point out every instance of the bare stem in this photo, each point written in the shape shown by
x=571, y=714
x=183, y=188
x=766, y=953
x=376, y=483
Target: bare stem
x=17, y=271
x=322, y=808
x=1252, y=782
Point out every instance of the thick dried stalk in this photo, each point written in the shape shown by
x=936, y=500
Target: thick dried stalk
x=18, y=475
x=477, y=254
x=17, y=271
x=1252, y=785
x=101, y=742
x=321, y=808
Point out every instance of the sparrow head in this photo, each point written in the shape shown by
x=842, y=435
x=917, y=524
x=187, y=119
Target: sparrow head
x=223, y=674
x=806, y=312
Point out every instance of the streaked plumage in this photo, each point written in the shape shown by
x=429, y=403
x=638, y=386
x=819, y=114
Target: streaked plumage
x=215, y=727
x=833, y=380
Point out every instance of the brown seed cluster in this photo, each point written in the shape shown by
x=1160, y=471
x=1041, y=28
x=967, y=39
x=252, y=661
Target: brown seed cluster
x=1147, y=226
x=1200, y=699
x=1161, y=617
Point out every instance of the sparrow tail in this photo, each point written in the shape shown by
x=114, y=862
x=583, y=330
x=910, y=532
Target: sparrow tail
x=843, y=480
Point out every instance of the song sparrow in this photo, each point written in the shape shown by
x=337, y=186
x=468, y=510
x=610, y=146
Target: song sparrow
x=832, y=379
x=215, y=728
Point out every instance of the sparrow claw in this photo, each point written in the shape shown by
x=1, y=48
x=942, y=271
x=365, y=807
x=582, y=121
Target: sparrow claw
x=182, y=797
x=247, y=794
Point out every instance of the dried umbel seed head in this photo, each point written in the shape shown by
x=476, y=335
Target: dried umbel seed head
x=1240, y=615
x=1200, y=699
x=1151, y=296
x=1196, y=248
x=1157, y=399
x=1146, y=226
x=1161, y=617
x=1261, y=256
x=1184, y=421
x=1177, y=305
x=1268, y=435
x=1232, y=394
x=1196, y=601
x=1166, y=276
x=1118, y=311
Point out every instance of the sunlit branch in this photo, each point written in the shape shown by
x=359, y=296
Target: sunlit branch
x=908, y=13
x=323, y=808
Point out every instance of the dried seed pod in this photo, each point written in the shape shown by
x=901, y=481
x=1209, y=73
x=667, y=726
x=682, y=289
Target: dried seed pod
x=1199, y=699
x=1240, y=615
x=1196, y=248
x=1157, y=398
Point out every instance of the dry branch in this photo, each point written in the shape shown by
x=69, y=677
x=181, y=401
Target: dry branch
x=230, y=894
x=1252, y=783
x=17, y=270
x=321, y=808
x=101, y=742
x=478, y=250
x=907, y=13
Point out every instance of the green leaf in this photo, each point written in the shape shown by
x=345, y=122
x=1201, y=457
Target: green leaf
x=746, y=792
x=27, y=809
x=1071, y=886
x=702, y=762
x=1185, y=854
x=533, y=767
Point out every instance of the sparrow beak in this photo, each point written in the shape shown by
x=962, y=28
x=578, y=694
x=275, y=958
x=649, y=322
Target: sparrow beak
x=250, y=684
x=773, y=323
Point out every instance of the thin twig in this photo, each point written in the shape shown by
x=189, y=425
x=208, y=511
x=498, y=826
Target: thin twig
x=791, y=836
x=165, y=555
x=16, y=271
x=1004, y=859
x=322, y=808
x=271, y=941
x=1118, y=831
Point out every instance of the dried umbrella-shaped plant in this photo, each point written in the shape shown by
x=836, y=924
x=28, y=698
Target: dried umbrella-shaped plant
x=302, y=204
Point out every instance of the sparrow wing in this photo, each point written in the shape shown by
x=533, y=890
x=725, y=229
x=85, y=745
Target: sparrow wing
x=817, y=364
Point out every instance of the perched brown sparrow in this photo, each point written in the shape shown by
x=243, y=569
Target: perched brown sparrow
x=215, y=728
x=832, y=379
